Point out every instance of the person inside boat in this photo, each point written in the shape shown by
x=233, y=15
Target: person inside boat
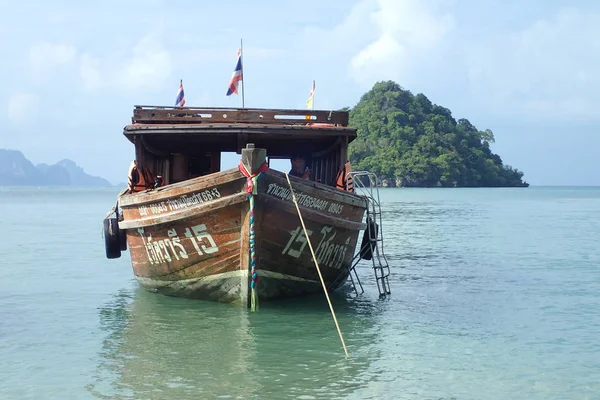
x=299, y=167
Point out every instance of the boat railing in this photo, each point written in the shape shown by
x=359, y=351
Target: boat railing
x=199, y=115
x=366, y=185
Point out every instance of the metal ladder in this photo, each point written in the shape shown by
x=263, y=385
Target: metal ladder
x=372, y=244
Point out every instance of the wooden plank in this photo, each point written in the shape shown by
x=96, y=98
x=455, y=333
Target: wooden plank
x=319, y=217
x=235, y=128
x=315, y=189
x=148, y=114
x=173, y=216
x=212, y=232
x=276, y=131
x=165, y=250
x=284, y=251
x=226, y=182
x=284, y=263
x=196, y=257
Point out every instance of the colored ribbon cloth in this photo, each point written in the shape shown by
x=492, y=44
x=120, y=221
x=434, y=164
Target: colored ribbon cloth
x=251, y=189
x=252, y=180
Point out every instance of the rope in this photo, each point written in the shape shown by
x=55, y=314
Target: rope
x=112, y=211
x=316, y=264
x=251, y=187
x=254, y=295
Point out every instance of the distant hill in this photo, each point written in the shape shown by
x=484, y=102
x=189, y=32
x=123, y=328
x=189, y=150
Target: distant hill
x=408, y=141
x=16, y=170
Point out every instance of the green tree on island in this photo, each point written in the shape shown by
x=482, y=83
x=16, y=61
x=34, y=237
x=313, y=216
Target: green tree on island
x=408, y=141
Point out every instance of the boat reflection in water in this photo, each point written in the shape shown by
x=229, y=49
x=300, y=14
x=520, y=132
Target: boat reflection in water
x=163, y=347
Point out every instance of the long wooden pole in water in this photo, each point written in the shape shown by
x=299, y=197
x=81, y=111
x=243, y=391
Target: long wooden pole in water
x=316, y=264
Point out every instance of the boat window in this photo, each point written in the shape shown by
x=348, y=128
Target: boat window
x=199, y=164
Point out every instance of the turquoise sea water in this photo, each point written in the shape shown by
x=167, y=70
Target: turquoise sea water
x=495, y=295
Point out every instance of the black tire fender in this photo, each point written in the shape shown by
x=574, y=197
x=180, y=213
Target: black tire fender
x=368, y=246
x=112, y=244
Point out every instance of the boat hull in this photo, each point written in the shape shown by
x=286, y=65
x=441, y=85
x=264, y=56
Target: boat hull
x=191, y=239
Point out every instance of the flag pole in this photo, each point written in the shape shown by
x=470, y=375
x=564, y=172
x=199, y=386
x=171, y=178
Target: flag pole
x=313, y=89
x=311, y=97
x=243, y=77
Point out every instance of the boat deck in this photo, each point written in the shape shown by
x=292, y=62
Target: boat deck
x=172, y=129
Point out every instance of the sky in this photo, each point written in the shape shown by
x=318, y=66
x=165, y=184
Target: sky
x=72, y=71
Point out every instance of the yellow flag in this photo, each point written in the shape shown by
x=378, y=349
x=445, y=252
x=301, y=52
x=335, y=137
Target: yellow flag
x=309, y=102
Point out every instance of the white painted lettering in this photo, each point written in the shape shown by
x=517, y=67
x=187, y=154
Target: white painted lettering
x=180, y=202
x=297, y=235
x=329, y=252
x=171, y=248
x=304, y=199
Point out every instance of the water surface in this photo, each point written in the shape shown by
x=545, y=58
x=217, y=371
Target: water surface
x=494, y=296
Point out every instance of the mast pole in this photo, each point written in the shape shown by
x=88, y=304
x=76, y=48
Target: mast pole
x=243, y=77
x=313, y=95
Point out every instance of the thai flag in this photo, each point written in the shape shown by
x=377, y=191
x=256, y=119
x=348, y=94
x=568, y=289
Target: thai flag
x=180, y=100
x=237, y=75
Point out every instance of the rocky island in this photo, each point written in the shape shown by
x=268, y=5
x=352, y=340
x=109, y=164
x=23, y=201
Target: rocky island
x=410, y=142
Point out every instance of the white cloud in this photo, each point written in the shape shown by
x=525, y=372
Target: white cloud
x=547, y=69
x=49, y=62
x=412, y=22
x=350, y=28
x=374, y=62
x=89, y=73
x=550, y=69
x=49, y=58
x=340, y=41
x=149, y=68
x=407, y=31
x=46, y=55
x=22, y=108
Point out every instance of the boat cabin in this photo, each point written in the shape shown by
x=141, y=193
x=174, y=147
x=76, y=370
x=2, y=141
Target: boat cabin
x=180, y=143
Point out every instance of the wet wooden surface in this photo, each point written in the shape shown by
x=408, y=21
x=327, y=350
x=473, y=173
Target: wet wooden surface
x=202, y=245
x=203, y=251
x=150, y=114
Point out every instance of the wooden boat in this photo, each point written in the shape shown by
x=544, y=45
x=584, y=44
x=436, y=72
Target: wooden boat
x=198, y=232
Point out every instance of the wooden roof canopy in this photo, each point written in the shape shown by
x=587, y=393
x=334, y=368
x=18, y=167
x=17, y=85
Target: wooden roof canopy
x=280, y=131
